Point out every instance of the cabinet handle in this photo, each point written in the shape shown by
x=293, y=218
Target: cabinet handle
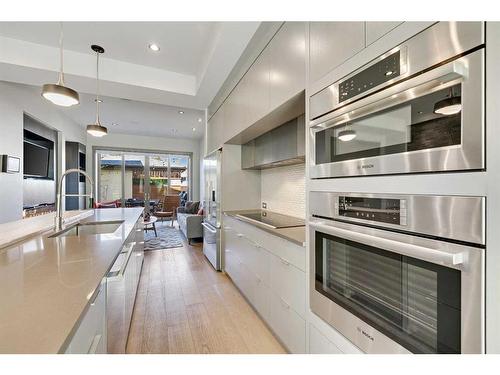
x=285, y=304
x=286, y=263
x=92, y=303
x=95, y=344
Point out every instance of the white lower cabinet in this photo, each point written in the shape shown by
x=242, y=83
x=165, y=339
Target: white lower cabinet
x=273, y=285
x=261, y=297
x=289, y=283
x=288, y=325
x=90, y=336
x=319, y=344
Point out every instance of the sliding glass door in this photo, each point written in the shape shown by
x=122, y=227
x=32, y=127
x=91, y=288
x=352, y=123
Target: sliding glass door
x=141, y=179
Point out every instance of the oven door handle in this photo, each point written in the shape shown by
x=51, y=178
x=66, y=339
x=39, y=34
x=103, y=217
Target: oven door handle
x=394, y=95
x=449, y=259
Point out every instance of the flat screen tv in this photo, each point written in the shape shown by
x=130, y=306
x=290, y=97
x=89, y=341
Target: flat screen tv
x=36, y=160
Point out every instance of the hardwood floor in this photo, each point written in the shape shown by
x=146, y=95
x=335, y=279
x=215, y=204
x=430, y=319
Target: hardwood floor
x=184, y=306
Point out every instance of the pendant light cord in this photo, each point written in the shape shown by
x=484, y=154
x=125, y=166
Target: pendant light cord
x=61, y=60
x=97, y=90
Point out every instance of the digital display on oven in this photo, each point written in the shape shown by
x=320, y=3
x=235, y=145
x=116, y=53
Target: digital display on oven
x=373, y=209
x=378, y=73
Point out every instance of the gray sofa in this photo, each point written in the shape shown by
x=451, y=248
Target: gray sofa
x=190, y=223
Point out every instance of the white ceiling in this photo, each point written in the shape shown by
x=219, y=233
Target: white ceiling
x=139, y=118
x=183, y=45
x=194, y=60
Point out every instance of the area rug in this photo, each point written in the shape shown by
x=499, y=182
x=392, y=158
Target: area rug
x=168, y=237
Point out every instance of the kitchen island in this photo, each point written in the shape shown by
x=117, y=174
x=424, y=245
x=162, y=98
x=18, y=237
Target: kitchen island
x=48, y=283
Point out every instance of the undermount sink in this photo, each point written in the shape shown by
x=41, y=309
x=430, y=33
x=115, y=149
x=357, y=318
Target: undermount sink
x=85, y=229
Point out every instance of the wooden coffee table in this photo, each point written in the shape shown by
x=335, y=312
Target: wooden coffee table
x=150, y=224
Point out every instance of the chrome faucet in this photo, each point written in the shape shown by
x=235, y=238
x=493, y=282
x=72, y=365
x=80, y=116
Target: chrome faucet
x=59, y=211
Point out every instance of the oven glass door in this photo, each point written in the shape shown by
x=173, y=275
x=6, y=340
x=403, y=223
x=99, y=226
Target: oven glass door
x=413, y=302
x=411, y=126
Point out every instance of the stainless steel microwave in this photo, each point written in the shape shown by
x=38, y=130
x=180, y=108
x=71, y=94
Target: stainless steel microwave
x=418, y=108
x=400, y=273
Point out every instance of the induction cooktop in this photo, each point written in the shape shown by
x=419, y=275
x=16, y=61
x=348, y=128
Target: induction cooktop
x=272, y=219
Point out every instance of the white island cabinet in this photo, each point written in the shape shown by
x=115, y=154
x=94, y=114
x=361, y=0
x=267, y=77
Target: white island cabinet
x=270, y=272
x=90, y=336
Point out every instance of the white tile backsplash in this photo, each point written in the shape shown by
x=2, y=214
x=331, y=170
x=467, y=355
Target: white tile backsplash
x=284, y=190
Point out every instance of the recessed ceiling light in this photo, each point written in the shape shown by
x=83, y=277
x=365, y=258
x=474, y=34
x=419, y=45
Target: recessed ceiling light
x=199, y=119
x=181, y=112
x=114, y=124
x=98, y=100
x=154, y=47
x=194, y=129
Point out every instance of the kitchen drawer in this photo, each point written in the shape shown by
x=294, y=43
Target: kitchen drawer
x=289, y=283
x=90, y=337
x=246, y=281
x=261, y=297
x=287, y=324
x=319, y=344
x=231, y=264
x=285, y=249
x=259, y=261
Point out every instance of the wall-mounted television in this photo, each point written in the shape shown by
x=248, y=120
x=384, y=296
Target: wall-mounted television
x=37, y=156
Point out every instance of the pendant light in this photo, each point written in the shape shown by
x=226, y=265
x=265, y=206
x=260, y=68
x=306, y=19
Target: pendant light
x=58, y=93
x=449, y=106
x=347, y=134
x=96, y=129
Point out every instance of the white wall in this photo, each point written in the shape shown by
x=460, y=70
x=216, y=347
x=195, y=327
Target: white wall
x=15, y=100
x=283, y=189
x=123, y=141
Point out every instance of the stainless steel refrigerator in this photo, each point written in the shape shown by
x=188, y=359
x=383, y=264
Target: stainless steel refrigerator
x=212, y=247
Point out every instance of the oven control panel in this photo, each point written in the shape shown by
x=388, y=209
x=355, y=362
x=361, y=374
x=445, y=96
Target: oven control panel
x=381, y=210
x=380, y=72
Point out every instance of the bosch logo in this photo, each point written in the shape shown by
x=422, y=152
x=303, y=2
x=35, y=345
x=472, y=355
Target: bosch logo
x=365, y=166
x=366, y=334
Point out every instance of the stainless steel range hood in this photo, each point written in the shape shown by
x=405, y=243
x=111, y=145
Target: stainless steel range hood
x=284, y=145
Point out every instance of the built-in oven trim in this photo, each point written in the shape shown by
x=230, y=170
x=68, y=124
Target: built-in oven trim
x=455, y=218
x=468, y=70
x=437, y=44
x=469, y=260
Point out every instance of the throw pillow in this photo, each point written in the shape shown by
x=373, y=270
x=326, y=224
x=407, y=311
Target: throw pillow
x=192, y=207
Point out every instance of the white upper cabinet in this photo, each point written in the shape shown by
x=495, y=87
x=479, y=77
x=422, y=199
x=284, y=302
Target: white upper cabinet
x=287, y=57
x=258, y=89
x=375, y=30
x=332, y=43
x=215, y=131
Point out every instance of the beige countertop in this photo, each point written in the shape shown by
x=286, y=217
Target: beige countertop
x=296, y=235
x=46, y=283
x=18, y=230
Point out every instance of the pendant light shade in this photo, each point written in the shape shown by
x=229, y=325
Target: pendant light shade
x=347, y=134
x=96, y=129
x=449, y=106
x=58, y=93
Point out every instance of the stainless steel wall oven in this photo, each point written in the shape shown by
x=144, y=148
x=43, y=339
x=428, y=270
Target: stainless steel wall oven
x=417, y=108
x=399, y=273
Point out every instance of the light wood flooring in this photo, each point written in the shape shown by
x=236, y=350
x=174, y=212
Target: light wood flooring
x=184, y=306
